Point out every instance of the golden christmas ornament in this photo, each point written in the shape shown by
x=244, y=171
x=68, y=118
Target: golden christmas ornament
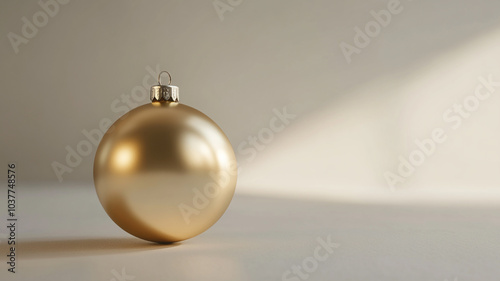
x=164, y=171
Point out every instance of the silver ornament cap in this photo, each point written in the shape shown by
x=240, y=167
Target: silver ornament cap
x=164, y=92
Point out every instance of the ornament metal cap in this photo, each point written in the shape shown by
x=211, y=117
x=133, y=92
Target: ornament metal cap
x=164, y=92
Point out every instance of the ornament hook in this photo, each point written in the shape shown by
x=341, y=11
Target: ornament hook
x=162, y=92
x=169, y=77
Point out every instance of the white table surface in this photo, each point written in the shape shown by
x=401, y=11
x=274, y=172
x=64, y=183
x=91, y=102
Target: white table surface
x=64, y=234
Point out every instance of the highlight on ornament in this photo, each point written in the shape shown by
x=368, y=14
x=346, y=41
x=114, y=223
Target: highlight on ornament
x=165, y=172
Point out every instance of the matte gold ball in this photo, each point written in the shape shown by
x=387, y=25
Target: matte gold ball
x=165, y=172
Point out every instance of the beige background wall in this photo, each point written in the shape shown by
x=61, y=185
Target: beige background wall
x=353, y=120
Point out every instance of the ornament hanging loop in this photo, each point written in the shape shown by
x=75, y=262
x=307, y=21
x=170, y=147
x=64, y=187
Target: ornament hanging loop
x=164, y=93
x=169, y=77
